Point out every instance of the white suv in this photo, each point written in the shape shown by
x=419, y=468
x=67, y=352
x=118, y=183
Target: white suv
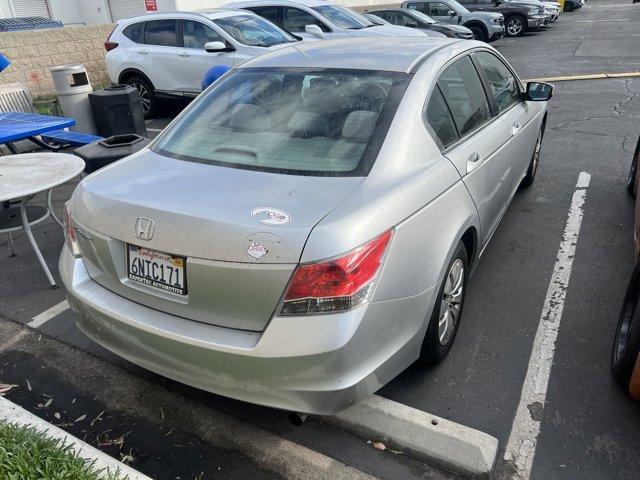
x=168, y=53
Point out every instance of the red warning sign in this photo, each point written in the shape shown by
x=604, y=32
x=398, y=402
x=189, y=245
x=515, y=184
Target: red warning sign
x=151, y=5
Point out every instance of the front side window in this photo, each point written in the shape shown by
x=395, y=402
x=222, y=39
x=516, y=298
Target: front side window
x=504, y=86
x=253, y=30
x=440, y=121
x=161, y=32
x=196, y=34
x=296, y=19
x=270, y=13
x=437, y=9
x=464, y=94
x=343, y=17
x=134, y=32
x=325, y=122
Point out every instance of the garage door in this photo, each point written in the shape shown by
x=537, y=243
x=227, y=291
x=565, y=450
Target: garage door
x=30, y=8
x=125, y=8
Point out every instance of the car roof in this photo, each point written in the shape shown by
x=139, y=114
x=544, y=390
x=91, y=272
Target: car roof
x=394, y=54
x=307, y=3
x=211, y=14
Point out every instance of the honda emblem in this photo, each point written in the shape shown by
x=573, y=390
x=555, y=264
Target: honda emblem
x=144, y=228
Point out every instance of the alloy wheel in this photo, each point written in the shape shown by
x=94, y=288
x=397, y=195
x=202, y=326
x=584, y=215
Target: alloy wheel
x=622, y=335
x=536, y=154
x=144, y=97
x=451, y=302
x=514, y=26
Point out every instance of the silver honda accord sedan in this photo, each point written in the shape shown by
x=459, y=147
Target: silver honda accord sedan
x=306, y=228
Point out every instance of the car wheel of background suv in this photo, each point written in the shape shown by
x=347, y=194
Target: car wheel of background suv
x=447, y=311
x=515, y=25
x=147, y=95
x=479, y=32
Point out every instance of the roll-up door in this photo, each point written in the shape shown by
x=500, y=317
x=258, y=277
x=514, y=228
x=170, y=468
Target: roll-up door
x=30, y=8
x=125, y=8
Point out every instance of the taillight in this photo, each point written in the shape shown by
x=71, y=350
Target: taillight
x=70, y=238
x=336, y=285
x=108, y=46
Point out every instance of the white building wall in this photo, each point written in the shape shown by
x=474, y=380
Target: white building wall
x=5, y=9
x=67, y=11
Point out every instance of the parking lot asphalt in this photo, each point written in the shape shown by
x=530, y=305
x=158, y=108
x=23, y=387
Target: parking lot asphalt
x=588, y=427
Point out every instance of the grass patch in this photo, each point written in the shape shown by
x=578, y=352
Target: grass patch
x=26, y=454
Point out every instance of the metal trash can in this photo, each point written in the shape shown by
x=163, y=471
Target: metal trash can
x=117, y=111
x=104, y=152
x=73, y=88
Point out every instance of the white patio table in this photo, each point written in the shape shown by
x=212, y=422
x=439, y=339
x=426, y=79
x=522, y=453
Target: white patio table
x=21, y=178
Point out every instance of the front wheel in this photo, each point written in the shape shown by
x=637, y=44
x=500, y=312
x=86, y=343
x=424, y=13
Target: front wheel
x=633, y=171
x=626, y=343
x=515, y=26
x=535, y=161
x=447, y=311
x=478, y=33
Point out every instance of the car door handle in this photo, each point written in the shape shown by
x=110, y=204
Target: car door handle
x=143, y=52
x=515, y=128
x=184, y=54
x=475, y=159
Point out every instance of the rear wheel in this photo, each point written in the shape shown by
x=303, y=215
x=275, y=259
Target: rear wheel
x=514, y=26
x=447, y=311
x=626, y=343
x=479, y=33
x=147, y=95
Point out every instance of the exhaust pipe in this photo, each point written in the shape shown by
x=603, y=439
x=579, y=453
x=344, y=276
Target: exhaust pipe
x=297, y=419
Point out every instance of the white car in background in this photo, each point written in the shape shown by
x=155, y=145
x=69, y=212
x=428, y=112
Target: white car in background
x=167, y=54
x=320, y=19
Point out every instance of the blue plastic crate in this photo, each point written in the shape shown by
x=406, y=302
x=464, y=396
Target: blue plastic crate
x=27, y=23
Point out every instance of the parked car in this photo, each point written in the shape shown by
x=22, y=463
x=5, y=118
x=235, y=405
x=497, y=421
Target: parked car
x=321, y=19
x=486, y=26
x=519, y=16
x=276, y=242
x=167, y=54
x=552, y=8
x=625, y=355
x=414, y=19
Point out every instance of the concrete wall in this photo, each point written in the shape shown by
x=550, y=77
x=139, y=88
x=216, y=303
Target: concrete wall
x=33, y=53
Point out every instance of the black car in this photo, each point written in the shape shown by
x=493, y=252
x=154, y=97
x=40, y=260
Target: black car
x=519, y=16
x=412, y=18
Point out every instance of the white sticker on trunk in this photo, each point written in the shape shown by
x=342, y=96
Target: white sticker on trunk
x=271, y=216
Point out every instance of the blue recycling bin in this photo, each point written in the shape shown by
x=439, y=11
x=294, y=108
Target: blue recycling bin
x=4, y=62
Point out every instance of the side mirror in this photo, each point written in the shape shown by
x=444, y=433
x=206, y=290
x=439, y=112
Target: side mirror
x=314, y=30
x=538, y=91
x=452, y=13
x=212, y=47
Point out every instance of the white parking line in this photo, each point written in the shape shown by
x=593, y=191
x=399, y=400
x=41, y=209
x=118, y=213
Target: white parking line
x=47, y=315
x=521, y=447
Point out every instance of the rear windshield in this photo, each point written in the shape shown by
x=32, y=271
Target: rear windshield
x=324, y=122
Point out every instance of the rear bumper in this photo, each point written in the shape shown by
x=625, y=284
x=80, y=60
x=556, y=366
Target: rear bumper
x=320, y=364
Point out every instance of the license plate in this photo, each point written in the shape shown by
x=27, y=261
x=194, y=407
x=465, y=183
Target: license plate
x=157, y=269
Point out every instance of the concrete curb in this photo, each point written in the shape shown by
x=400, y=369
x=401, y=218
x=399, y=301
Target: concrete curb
x=439, y=442
x=12, y=413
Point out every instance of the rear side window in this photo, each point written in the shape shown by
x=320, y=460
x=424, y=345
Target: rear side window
x=134, y=32
x=270, y=13
x=440, y=121
x=504, y=86
x=463, y=91
x=161, y=32
x=327, y=122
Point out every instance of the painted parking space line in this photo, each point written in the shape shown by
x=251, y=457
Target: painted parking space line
x=521, y=447
x=47, y=315
x=590, y=76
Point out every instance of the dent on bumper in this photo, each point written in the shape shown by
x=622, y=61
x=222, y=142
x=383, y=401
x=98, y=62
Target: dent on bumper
x=320, y=364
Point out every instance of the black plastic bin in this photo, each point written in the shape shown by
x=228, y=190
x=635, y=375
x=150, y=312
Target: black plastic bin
x=117, y=111
x=104, y=152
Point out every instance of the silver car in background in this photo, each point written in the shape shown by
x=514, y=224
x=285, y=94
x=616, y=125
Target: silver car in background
x=306, y=228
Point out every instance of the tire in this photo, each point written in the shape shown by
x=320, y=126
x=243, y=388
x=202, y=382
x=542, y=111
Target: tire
x=147, y=94
x=535, y=161
x=479, y=32
x=438, y=339
x=515, y=25
x=569, y=7
x=633, y=171
x=626, y=343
